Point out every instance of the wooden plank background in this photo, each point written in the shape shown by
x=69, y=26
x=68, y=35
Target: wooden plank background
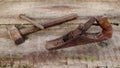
x=33, y=54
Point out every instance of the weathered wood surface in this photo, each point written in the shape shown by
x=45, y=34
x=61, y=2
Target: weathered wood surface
x=9, y=10
x=33, y=51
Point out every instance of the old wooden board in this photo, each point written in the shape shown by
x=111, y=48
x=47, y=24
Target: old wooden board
x=9, y=10
x=33, y=54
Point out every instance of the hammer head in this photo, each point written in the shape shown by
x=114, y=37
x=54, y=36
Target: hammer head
x=15, y=34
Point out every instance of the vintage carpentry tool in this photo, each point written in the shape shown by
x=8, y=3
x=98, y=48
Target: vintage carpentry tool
x=16, y=34
x=79, y=36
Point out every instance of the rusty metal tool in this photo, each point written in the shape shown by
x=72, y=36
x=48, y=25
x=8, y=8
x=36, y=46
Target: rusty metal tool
x=16, y=34
x=79, y=36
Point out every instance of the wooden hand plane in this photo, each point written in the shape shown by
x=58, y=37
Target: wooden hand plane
x=79, y=36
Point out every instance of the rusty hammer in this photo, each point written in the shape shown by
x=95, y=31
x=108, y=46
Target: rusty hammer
x=16, y=34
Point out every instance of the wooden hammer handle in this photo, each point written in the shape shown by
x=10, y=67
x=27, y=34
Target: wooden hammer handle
x=25, y=17
x=47, y=24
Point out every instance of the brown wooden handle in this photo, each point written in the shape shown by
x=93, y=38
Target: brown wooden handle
x=25, y=17
x=106, y=28
x=47, y=24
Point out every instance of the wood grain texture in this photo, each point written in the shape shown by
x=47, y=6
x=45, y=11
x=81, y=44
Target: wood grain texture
x=33, y=54
x=45, y=9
